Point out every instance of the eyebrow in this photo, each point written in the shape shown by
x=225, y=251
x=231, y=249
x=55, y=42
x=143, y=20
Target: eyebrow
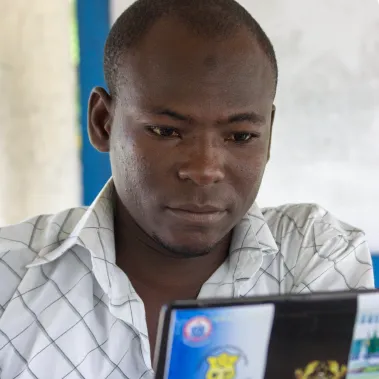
x=172, y=114
x=252, y=117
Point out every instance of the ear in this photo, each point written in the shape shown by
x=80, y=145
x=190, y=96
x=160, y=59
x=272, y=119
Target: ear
x=271, y=126
x=100, y=119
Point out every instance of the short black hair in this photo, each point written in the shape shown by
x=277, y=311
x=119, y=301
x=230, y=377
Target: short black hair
x=210, y=18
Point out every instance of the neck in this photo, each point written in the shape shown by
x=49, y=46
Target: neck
x=152, y=268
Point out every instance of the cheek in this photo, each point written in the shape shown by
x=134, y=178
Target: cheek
x=247, y=178
x=250, y=168
x=131, y=165
x=136, y=167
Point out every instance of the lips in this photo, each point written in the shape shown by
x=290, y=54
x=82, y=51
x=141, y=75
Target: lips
x=197, y=214
x=193, y=208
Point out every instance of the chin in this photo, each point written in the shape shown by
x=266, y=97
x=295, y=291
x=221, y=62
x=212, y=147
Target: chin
x=187, y=247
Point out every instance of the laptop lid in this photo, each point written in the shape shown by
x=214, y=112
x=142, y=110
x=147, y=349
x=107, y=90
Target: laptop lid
x=300, y=337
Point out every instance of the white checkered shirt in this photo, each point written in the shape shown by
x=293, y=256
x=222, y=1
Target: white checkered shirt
x=67, y=310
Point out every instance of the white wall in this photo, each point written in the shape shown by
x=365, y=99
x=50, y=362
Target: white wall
x=39, y=163
x=326, y=141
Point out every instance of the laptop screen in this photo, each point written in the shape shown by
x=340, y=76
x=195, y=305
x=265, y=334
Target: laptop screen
x=219, y=342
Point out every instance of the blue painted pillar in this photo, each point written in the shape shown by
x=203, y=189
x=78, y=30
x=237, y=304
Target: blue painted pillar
x=375, y=262
x=93, y=27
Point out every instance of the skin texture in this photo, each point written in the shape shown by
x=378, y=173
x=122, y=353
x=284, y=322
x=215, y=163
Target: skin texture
x=190, y=127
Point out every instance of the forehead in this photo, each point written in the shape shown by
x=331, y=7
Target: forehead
x=173, y=64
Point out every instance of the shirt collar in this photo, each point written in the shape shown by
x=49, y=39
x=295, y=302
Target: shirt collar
x=251, y=240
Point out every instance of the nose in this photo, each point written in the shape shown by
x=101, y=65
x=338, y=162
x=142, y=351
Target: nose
x=204, y=165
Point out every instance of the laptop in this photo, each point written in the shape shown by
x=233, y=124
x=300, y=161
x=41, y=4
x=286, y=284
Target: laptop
x=326, y=335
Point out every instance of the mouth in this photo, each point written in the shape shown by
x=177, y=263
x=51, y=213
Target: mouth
x=201, y=215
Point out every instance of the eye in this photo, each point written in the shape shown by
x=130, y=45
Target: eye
x=242, y=137
x=163, y=131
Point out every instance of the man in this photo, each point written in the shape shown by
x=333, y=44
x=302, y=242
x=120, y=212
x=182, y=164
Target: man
x=188, y=124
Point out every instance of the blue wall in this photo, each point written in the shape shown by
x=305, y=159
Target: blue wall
x=93, y=26
x=375, y=260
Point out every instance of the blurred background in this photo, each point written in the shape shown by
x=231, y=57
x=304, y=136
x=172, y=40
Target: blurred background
x=326, y=135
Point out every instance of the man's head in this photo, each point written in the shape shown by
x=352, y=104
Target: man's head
x=188, y=117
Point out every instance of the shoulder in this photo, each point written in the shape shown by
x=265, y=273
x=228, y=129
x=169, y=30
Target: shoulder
x=36, y=233
x=324, y=252
x=21, y=243
x=304, y=221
